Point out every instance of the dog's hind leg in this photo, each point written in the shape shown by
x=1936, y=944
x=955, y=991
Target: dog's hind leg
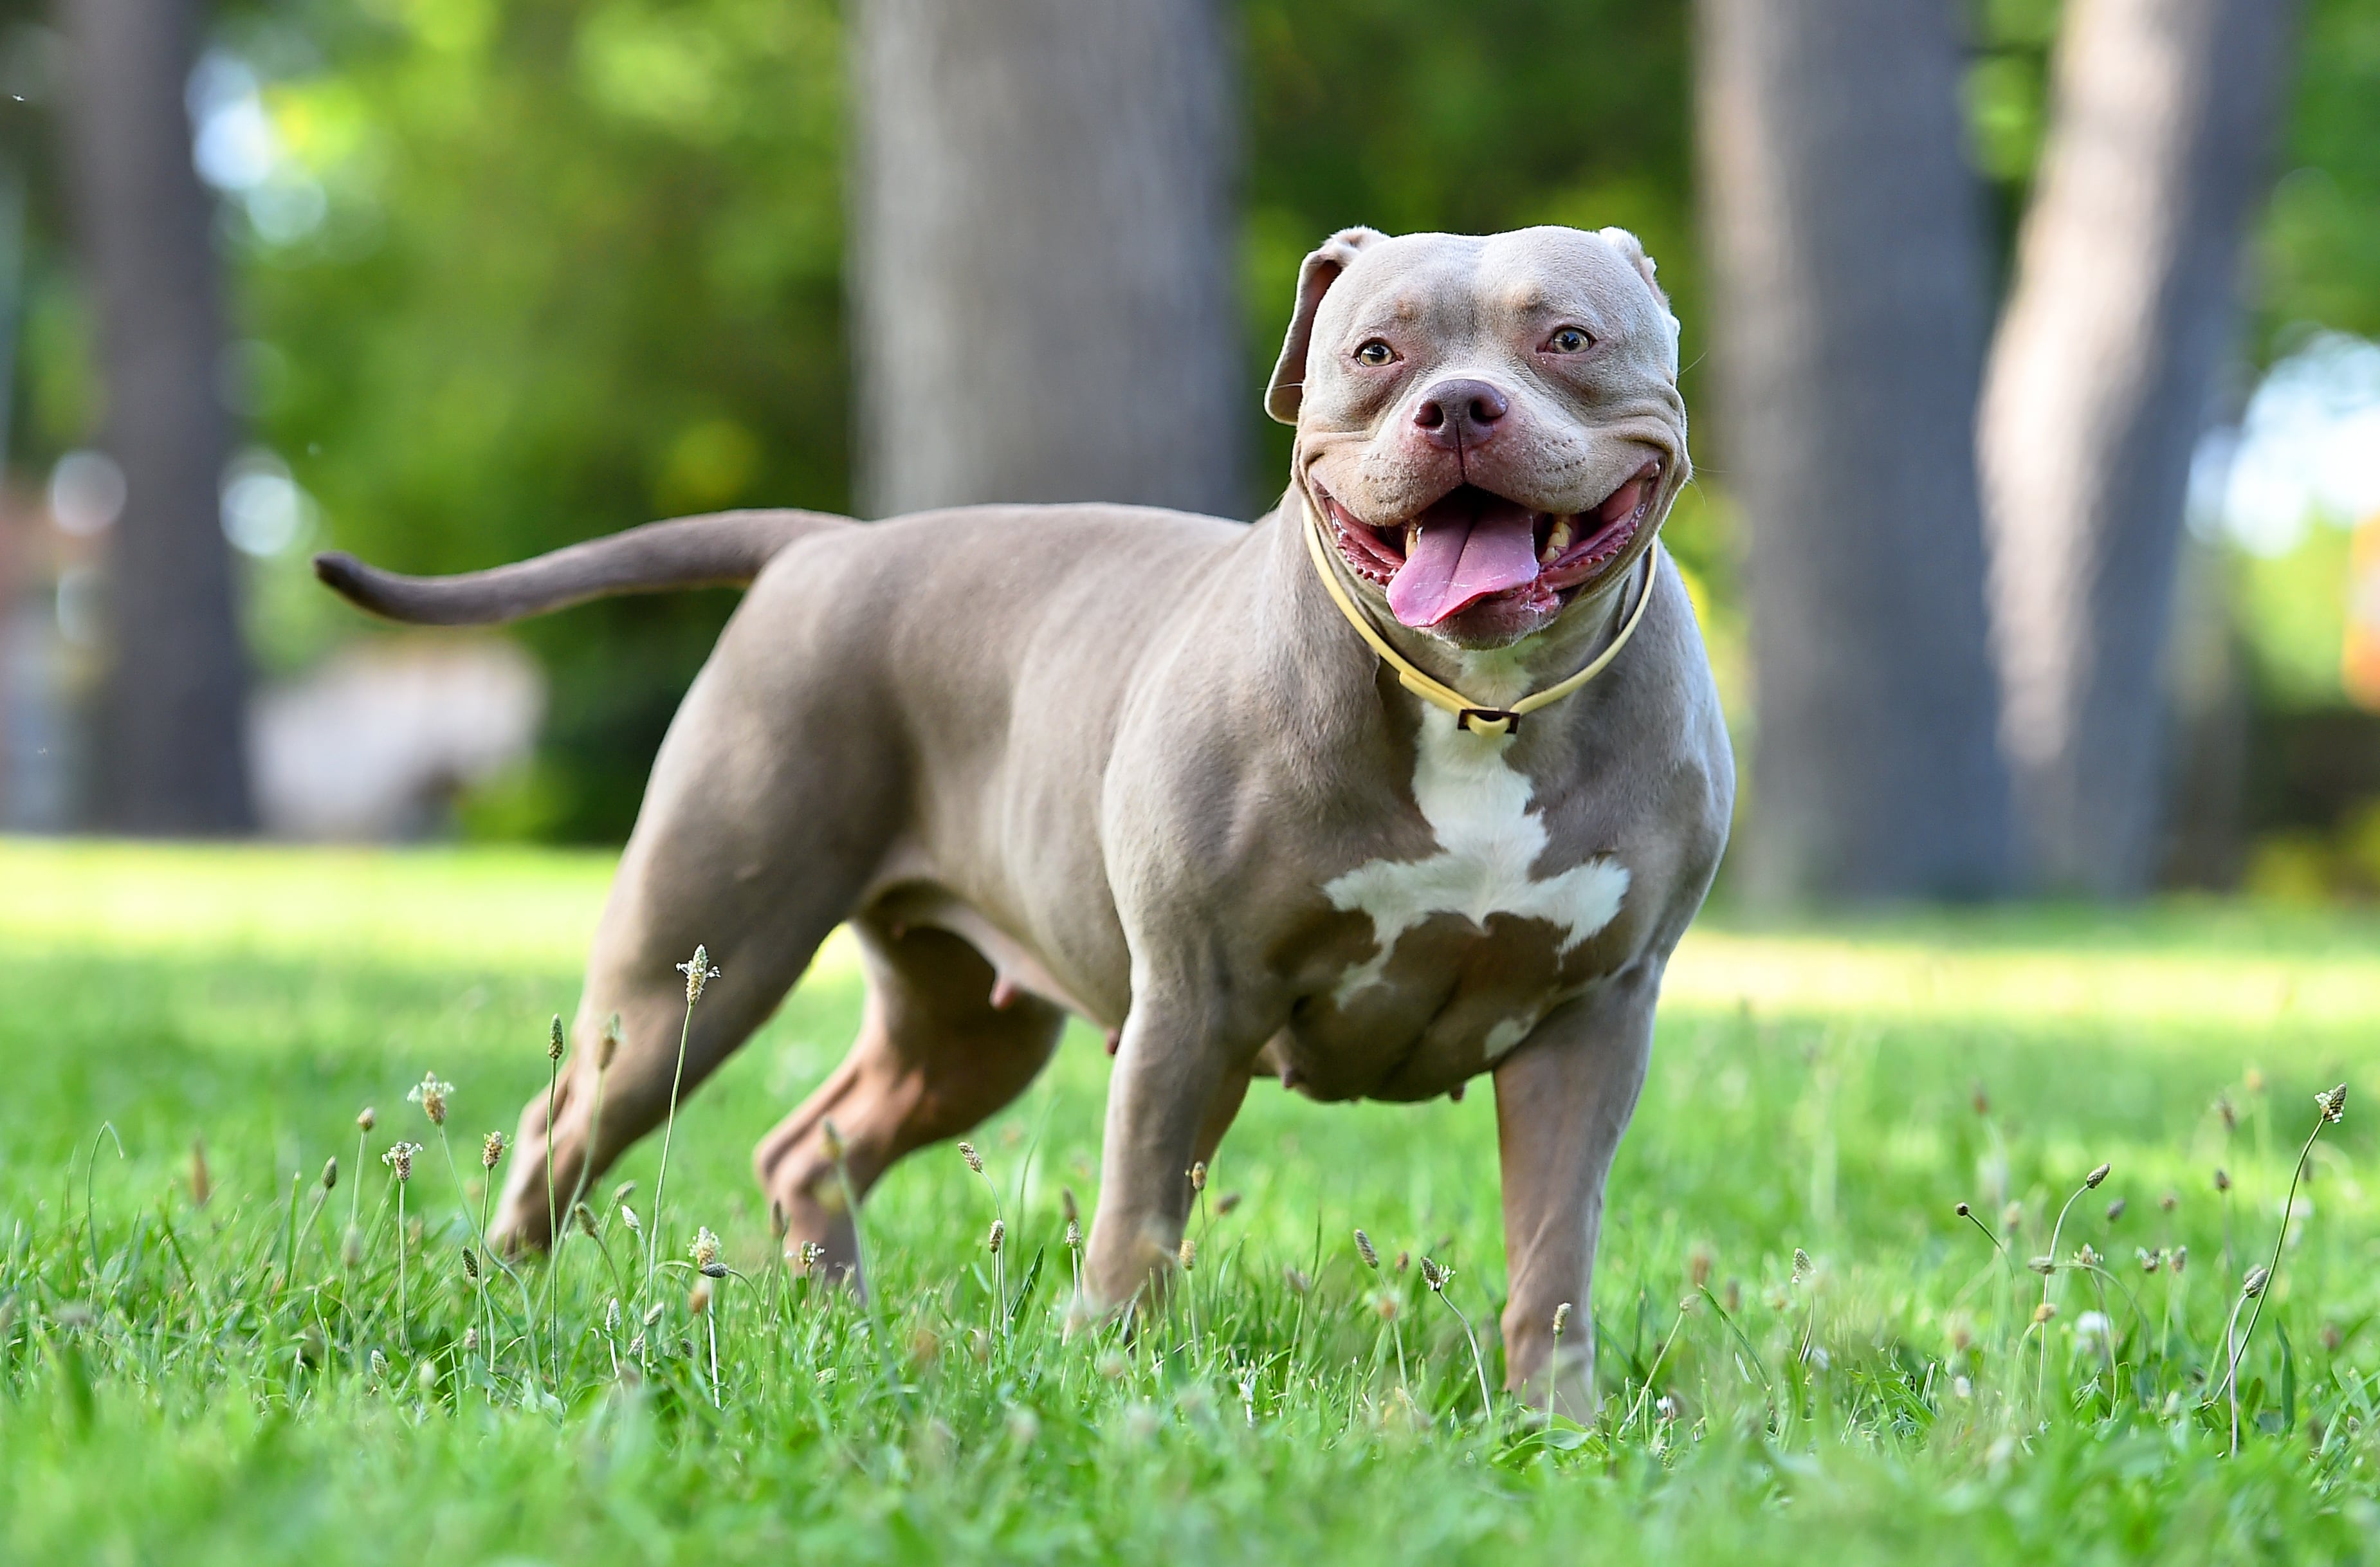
x=936, y=1054
x=745, y=846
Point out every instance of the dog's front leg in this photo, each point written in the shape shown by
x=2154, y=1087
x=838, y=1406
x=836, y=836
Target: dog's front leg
x=1562, y=1100
x=1179, y=1063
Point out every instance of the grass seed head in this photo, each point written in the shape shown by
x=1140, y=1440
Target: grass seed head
x=492, y=1150
x=697, y=1299
x=366, y=1118
x=653, y=1314
x=628, y=1217
x=1385, y=1305
x=330, y=1172
x=831, y=1140
x=1803, y=1266
x=2253, y=1285
x=1297, y=1278
x=470, y=1264
x=399, y=1158
x=2086, y=1257
x=997, y=1235
x=1403, y=1261
x=555, y=1039
x=2091, y=1182
x=1074, y=1235
x=2227, y=1113
x=1188, y=1253
x=608, y=1045
x=699, y=973
x=202, y=1186
x=810, y=1253
x=1561, y=1319
x=1364, y=1249
x=351, y=1248
x=2332, y=1104
x=471, y=1341
x=2115, y=1210
x=585, y=1217
x=778, y=1222
x=2254, y=1078
x=611, y=1316
x=1066, y=1204
x=1963, y=1210
x=2044, y=1312
x=2012, y=1218
x=1698, y=1265
x=431, y=1096
x=2222, y=1179
x=973, y=1160
x=2150, y=1260
x=1979, y=1099
x=1436, y=1277
x=1198, y=1176
x=705, y=1250
x=2045, y=1266
x=2180, y=1259
x=2170, y=1201
x=1225, y=1203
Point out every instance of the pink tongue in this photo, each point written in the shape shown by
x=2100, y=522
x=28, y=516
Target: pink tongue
x=1464, y=554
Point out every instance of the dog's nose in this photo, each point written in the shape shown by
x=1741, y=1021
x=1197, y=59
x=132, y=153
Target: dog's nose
x=1460, y=413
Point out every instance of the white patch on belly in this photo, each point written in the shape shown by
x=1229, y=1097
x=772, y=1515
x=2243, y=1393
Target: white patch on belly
x=1478, y=805
x=1508, y=1033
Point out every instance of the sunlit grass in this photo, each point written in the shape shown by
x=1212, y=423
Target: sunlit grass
x=190, y=1383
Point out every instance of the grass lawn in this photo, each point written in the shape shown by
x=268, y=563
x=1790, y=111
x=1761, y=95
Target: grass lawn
x=185, y=1383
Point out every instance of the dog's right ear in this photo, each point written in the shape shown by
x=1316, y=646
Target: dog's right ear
x=1314, y=280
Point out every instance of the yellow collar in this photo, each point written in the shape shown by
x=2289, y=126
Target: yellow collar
x=1468, y=714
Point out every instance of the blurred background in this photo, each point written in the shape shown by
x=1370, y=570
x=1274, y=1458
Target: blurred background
x=2033, y=349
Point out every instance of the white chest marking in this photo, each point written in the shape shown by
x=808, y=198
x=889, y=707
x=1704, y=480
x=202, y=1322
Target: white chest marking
x=1478, y=805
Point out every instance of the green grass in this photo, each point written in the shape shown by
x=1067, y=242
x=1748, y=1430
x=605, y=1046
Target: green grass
x=172, y=1389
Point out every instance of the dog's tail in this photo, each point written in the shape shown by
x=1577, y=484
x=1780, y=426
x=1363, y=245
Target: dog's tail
x=722, y=550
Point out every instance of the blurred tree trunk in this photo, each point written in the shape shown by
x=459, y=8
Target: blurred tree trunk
x=2120, y=310
x=171, y=743
x=1043, y=255
x=1851, y=316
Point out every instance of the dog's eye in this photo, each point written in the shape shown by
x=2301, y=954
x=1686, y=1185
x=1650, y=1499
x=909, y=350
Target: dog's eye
x=1376, y=353
x=1569, y=340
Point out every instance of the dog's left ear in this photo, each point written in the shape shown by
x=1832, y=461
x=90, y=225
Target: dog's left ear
x=1314, y=277
x=1631, y=250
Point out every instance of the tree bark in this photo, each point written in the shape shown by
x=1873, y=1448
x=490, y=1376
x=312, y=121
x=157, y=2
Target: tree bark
x=171, y=743
x=1043, y=255
x=2120, y=310
x=1847, y=239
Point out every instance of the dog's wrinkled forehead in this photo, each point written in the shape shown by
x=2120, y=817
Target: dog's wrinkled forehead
x=1468, y=299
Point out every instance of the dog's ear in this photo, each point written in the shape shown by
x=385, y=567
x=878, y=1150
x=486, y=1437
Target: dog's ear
x=1631, y=250
x=1314, y=279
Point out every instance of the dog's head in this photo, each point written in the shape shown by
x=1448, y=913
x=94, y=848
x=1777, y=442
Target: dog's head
x=1489, y=429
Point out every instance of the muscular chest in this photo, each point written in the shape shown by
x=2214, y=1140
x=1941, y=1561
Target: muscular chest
x=1467, y=939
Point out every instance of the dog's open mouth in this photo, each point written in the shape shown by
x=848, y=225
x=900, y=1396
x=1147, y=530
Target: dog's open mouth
x=1472, y=544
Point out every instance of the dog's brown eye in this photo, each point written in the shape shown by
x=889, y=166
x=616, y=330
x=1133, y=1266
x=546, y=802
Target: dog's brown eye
x=1376, y=353
x=1569, y=340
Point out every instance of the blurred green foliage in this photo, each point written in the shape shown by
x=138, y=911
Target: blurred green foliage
x=527, y=271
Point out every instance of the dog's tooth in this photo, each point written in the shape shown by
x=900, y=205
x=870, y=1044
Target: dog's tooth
x=1558, y=540
x=1413, y=536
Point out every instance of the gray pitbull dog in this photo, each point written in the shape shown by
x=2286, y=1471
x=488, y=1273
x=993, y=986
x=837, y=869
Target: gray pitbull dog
x=1252, y=799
